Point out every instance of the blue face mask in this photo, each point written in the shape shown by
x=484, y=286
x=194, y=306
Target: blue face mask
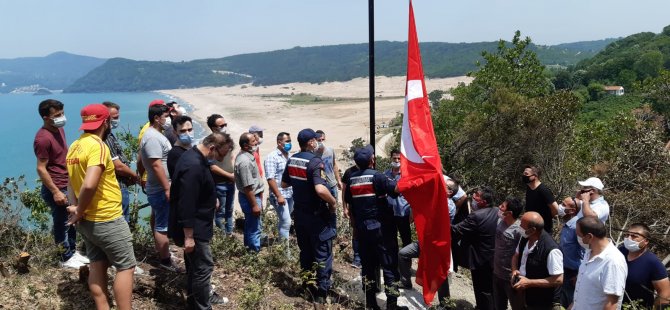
x=115, y=123
x=186, y=138
x=287, y=147
x=59, y=121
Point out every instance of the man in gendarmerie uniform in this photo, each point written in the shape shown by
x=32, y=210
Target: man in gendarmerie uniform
x=314, y=211
x=373, y=220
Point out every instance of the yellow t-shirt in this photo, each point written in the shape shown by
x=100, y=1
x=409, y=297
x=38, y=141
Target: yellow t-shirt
x=87, y=151
x=139, y=141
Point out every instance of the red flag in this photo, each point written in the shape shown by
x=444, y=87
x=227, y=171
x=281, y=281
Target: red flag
x=421, y=181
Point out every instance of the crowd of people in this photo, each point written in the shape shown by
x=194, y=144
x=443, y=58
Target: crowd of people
x=508, y=247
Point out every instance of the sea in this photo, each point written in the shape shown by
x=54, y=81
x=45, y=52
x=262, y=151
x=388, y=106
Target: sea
x=22, y=120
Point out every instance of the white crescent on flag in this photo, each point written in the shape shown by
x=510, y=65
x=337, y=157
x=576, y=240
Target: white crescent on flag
x=414, y=91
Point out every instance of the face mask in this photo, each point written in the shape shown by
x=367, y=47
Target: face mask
x=59, y=121
x=586, y=246
x=186, y=138
x=287, y=147
x=523, y=232
x=260, y=141
x=474, y=205
x=224, y=130
x=254, y=148
x=631, y=245
x=525, y=179
x=561, y=210
x=395, y=165
x=181, y=110
x=315, y=147
x=320, y=145
x=501, y=214
x=115, y=123
x=168, y=123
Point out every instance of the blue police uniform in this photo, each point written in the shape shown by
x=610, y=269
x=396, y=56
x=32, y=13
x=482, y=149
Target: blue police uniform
x=314, y=223
x=373, y=218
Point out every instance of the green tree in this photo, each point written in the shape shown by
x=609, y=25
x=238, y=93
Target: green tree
x=649, y=64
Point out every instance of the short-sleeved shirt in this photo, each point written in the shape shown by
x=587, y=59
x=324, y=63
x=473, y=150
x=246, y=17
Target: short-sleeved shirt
x=399, y=204
x=328, y=158
x=173, y=157
x=246, y=173
x=53, y=147
x=88, y=151
x=600, y=207
x=554, y=260
x=641, y=273
x=116, y=152
x=599, y=276
x=507, y=239
x=154, y=145
x=538, y=200
x=275, y=164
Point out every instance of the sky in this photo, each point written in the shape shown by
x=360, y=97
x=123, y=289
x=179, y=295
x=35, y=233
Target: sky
x=186, y=30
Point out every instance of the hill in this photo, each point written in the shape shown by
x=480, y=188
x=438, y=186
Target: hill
x=308, y=64
x=55, y=71
x=633, y=58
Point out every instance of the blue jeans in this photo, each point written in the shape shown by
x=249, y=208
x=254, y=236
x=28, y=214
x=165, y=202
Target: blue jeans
x=161, y=211
x=283, y=215
x=125, y=203
x=64, y=235
x=252, y=223
x=225, y=192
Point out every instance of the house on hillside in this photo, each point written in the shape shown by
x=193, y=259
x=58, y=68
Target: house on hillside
x=614, y=90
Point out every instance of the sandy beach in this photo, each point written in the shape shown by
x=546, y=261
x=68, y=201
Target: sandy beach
x=341, y=110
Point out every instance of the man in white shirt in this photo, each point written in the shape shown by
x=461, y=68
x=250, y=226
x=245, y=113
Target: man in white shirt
x=537, y=265
x=594, y=204
x=602, y=274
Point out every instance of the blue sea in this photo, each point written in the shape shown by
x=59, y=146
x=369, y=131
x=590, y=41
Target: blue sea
x=21, y=121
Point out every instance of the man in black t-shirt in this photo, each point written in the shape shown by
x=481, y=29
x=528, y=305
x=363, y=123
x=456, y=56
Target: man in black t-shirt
x=539, y=197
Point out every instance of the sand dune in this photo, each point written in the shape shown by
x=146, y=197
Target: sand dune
x=342, y=111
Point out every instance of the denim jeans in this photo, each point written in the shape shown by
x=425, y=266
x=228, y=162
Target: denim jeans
x=161, y=211
x=225, y=192
x=283, y=215
x=125, y=203
x=252, y=223
x=64, y=235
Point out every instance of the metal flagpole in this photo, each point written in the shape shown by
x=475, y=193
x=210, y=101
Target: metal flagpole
x=371, y=58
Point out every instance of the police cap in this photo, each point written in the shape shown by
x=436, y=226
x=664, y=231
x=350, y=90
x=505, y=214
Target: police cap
x=363, y=155
x=305, y=135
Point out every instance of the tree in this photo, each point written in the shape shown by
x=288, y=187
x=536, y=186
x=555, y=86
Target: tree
x=649, y=64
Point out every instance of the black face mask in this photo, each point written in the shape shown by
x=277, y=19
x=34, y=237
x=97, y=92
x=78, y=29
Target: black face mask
x=525, y=179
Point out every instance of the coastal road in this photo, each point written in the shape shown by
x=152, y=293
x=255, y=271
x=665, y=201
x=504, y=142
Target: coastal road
x=380, y=146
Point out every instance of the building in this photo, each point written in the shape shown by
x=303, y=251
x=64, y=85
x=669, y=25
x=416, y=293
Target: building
x=614, y=90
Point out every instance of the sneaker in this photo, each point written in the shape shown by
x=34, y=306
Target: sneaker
x=173, y=267
x=215, y=299
x=72, y=263
x=83, y=259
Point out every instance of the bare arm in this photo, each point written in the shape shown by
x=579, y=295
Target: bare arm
x=554, y=209
x=251, y=197
x=324, y=194
x=58, y=196
x=586, y=205
x=272, y=183
x=611, y=302
x=157, y=167
x=662, y=287
x=550, y=281
x=140, y=166
x=122, y=170
x=220, y=172
x=86, y=193
x=336, y=169
x=515, y=263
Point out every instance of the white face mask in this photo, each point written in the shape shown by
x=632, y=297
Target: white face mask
x=168, y=123
x=254, y=148
x=522, y=232
x=395, y=165
x=115, y=123
x=586, y=246
x=631, y=245
x=561, y=210
x=59, y=121
x=181, y=110
x=223, y=130
x=501, y=214
x=260, y=141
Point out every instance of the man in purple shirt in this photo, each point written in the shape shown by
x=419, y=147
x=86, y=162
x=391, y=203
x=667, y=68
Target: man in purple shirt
x=50, y=150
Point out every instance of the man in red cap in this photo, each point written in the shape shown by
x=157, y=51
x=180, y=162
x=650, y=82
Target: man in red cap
x=95, y=207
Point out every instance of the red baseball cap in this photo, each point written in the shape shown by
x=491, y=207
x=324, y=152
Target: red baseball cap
x=92, y=116
x=156, y=102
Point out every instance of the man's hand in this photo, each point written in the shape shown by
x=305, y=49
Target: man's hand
x=339, y=185
x=60, y=198
x=74, y=215
x=167, y=195
x=522, y=284
x=585, y=196
x=256, y=210
x=345, y=213
x=189, y=245
x=218, y=205
x=281, y=200
x=515, y=273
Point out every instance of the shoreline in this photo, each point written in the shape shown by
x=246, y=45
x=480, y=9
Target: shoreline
x=341, y=112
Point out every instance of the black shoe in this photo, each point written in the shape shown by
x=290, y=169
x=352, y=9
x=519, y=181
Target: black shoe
x=406, y=286
x=215, y=299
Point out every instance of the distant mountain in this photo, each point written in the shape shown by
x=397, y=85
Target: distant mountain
x=308, y=64
x=55, y=71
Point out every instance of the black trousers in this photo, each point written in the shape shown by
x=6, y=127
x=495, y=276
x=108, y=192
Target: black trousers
x=199, y=268
x=482, y=283
x=403, y=226
x=378, y=245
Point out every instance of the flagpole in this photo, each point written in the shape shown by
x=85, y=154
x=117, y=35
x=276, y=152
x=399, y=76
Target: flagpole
x=371, y=58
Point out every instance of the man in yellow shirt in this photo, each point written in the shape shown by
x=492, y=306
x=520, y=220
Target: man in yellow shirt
x=96, y=209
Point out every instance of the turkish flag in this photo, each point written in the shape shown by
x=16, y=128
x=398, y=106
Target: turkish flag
x=421, y=181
